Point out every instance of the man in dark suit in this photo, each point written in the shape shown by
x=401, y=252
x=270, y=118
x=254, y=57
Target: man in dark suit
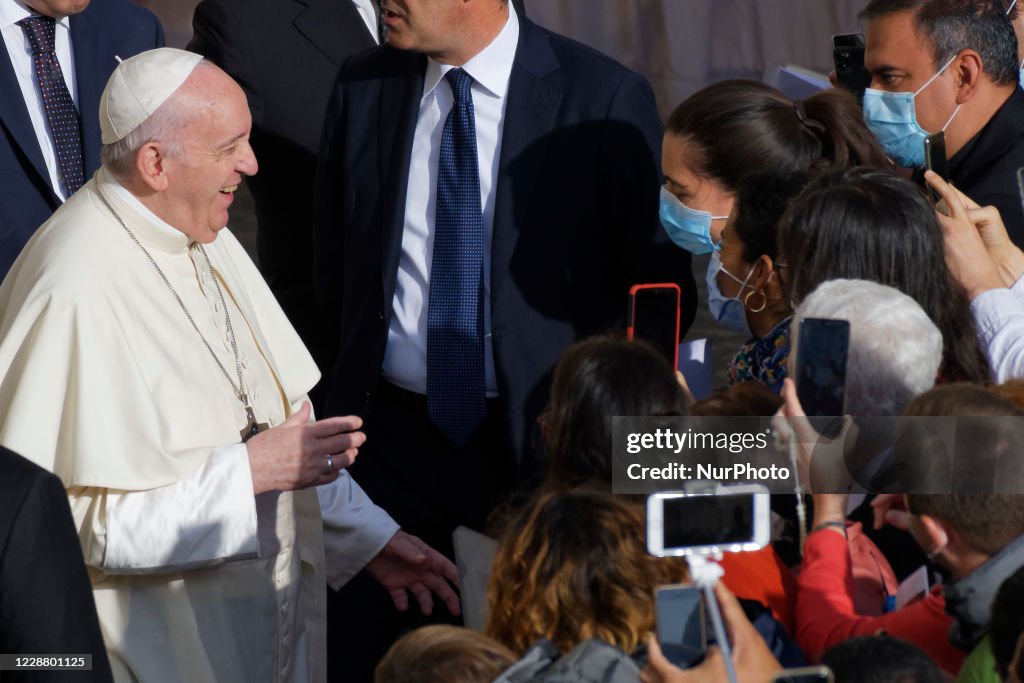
x=43, y=162
x=537, y=171
x=285, y=54
x=46, y=603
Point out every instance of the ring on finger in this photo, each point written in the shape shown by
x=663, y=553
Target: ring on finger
x=330, y=464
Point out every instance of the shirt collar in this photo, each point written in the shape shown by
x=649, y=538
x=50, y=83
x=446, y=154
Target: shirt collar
x=155, y=230
x=13, y=11
x=491, y=67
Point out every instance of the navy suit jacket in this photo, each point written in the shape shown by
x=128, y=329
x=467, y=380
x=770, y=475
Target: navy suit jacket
x=576, y=215
x=104, y=29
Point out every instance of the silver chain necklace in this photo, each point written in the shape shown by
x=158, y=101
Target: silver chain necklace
x=252, y=428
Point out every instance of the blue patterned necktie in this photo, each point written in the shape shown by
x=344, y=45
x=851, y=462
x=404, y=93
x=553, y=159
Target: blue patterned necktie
x=455, y=321
x=60, y=108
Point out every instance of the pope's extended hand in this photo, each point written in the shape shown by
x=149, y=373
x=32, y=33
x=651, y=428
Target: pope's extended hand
x=294, y=454
x=408, y=564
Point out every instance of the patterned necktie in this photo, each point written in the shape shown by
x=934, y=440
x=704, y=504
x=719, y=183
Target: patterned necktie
x=455, y=321
x=60, y=108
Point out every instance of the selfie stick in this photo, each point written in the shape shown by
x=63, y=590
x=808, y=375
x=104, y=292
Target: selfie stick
x=705, y=575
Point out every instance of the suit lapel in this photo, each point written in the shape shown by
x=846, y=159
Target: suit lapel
x=534, y=95
x=90, y=48
x=335, y=27
x=399, y=109
x=14, y=117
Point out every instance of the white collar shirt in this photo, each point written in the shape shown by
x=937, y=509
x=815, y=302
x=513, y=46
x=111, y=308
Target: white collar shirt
x=368, y=11
x=20, y=52
x=405, y=356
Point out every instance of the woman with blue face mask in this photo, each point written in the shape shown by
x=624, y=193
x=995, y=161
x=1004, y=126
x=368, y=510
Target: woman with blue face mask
x=749, y=273
x=729, y=130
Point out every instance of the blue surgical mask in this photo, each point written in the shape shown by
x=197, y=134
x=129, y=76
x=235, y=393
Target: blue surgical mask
x=727, y=311
x=689, y=229
x=892, y=118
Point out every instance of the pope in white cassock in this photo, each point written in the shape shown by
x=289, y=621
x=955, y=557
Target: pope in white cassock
x=144, y=360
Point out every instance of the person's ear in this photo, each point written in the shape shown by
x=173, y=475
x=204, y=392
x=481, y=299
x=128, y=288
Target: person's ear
x=150, y=162
x=968, y=69
x=762, y=273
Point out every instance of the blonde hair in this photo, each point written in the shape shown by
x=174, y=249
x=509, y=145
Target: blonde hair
x=573, y=566
x=443, y=654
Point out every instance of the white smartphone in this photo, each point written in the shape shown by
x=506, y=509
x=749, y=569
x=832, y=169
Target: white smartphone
x=733, y=519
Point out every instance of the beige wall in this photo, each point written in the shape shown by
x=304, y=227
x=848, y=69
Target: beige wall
x=176, y=16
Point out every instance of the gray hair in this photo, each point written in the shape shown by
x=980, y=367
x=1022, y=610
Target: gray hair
x=895, y=348
x=163, y=126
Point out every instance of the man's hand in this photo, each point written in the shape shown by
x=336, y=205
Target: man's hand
x=753, y=660
x=890, y=508
x=408, y=564
x=821, y=463
x=978, y=249
x=293, y=455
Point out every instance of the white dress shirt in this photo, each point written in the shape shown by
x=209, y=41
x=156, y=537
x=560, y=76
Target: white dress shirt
x=11, y=12
x=405, y=357
x=368, y=11
x=999, y=314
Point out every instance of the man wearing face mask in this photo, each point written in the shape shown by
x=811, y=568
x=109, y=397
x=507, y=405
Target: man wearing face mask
x=952, y=66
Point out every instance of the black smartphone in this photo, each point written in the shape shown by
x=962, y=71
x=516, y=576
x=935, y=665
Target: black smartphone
x=848, y=57
x=1020, y=189
x=654, y=317
x=935, y=160
x=822, y=349
x=682, y=629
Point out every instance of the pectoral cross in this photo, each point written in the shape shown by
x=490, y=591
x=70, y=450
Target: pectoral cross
x=252, y=428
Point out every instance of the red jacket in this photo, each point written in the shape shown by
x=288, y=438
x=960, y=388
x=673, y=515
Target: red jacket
x=825, y=615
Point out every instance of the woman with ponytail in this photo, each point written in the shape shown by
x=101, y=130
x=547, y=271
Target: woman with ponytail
x=743, y=149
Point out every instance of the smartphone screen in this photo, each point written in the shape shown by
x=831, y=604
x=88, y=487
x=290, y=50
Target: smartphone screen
x=681, y=626
x=654, y=318
x=935, y=160
x=714, y=520
x=848, y=56
x=822, y=349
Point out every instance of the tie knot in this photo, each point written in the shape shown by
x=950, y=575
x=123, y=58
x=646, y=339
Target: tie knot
x=462, y=84
x=40, y=32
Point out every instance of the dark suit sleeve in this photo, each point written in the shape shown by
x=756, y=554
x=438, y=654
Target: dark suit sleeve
x=218, y=36
x=634, y=160
x=46, y=601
